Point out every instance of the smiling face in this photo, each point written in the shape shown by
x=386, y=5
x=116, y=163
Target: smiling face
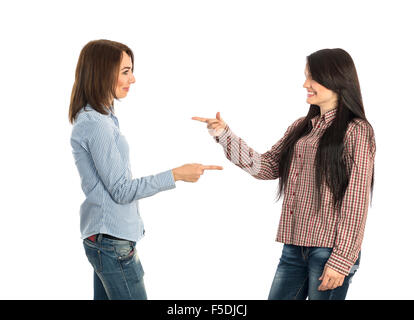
x=318, y=94
x=125, y=76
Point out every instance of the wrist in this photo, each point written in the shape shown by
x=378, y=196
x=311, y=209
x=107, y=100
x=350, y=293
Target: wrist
x=175, y=175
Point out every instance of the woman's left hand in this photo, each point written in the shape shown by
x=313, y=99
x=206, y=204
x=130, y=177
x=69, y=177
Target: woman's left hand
x=331, y=279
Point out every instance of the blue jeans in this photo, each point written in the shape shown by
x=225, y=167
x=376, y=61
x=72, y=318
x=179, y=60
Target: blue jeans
x=297, y=275
x=118, y=273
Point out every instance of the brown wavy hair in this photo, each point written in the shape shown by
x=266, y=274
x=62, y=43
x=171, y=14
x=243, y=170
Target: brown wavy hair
x=96, y=76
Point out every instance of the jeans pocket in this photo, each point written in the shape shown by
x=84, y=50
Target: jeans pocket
x=124, y=251
x=94, y=256
x=320, y=254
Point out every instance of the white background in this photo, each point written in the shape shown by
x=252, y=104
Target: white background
x=213, y=239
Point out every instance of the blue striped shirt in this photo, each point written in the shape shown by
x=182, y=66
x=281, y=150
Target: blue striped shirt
x=101, y=155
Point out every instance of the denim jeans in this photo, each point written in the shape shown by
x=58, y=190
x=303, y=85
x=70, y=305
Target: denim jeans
x=297, y=275
x=118, y=273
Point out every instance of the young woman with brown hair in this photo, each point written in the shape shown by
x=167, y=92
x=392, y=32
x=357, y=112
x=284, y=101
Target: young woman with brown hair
x=110, y=221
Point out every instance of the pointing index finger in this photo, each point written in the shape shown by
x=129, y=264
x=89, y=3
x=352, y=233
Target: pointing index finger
x=212, y=168
x=200, y=119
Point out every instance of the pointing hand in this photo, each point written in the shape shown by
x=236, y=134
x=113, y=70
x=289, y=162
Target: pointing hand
x=215, y=125
x=192, y=172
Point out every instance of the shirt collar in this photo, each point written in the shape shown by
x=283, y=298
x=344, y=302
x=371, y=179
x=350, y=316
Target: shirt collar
x=327, y=117
x=88, y=107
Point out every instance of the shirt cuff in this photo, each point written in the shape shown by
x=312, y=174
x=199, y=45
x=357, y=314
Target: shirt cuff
x=223, y=136
x=166, y=180
x=340, y=263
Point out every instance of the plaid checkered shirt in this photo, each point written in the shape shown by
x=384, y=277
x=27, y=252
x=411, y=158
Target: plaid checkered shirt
x=301, y=223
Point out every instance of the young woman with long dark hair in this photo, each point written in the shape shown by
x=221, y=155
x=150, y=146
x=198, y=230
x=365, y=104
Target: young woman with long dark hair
x=325, y=166
x=110, y=220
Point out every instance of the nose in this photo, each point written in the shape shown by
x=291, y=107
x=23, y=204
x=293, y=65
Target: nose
x=132, y=79
x=306, y=84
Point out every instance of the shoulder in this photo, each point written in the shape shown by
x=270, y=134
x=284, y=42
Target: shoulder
x=299, y=120
x=89, y=114
x=92, y=123
x=296, y=122
x=293, y=125
x=359, y=127
x=360, y=132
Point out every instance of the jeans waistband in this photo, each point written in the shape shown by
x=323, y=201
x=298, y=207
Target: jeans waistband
x=95, y=237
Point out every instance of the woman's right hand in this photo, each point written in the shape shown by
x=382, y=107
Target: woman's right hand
x=215, y=125
x=192, y=172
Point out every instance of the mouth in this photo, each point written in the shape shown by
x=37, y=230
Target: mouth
x=311, y=94
x=126, y=89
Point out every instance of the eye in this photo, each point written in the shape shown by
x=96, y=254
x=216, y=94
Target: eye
x=125, y=72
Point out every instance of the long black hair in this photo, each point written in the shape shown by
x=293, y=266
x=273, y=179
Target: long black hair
x=335, y=70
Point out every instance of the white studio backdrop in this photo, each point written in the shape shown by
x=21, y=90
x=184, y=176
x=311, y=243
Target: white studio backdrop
x=213, y=239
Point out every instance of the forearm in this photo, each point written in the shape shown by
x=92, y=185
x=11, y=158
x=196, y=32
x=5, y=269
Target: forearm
x=238, y=152
x=127, y=191
x=350, y=230
x=261, y=166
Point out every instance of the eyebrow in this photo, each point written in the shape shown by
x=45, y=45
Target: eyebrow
x=126, y=68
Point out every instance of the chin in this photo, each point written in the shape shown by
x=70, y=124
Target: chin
x=312, y=101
